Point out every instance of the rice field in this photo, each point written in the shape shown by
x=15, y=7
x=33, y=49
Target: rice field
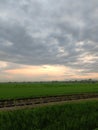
x=28, y=90
x=78, y=115
x=82, y=115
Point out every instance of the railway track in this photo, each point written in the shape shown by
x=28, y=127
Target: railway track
x=12, y=103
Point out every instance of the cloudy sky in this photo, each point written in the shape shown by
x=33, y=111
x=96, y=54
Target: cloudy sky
x=48, y=40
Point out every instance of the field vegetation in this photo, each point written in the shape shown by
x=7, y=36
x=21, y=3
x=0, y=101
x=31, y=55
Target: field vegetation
x=28, y=90
x=81, y=115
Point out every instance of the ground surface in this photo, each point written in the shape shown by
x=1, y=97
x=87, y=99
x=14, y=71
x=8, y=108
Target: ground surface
x=29, y=90
x=72, y=115
x=70, y=106
x=19, y=95
x=34, y=102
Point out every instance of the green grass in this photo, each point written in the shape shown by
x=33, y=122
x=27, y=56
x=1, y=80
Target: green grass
x=24, y=90
x=81, y=115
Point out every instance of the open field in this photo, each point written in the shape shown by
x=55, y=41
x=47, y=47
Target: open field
x=75, y=115
x=82, y=115
x=29, y=90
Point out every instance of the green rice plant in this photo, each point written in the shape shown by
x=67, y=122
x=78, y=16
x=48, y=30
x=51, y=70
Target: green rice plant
x=81, y=115
x=28, y=90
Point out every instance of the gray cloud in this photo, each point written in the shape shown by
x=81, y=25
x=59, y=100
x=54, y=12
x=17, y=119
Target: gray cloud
x=51, y=32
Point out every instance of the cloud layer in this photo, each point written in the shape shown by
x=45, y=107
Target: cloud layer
x=50, y=32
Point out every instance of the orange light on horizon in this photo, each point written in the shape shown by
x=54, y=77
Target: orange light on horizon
x=44, y=72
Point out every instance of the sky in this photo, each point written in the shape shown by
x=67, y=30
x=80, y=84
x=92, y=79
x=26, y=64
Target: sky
x=44, y=40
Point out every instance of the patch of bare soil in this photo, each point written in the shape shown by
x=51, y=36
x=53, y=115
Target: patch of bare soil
x=33, y=102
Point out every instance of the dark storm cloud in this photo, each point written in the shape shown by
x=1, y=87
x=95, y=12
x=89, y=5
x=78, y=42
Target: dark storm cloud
x=38, y=32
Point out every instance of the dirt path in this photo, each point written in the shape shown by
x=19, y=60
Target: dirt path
x=42, y=101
